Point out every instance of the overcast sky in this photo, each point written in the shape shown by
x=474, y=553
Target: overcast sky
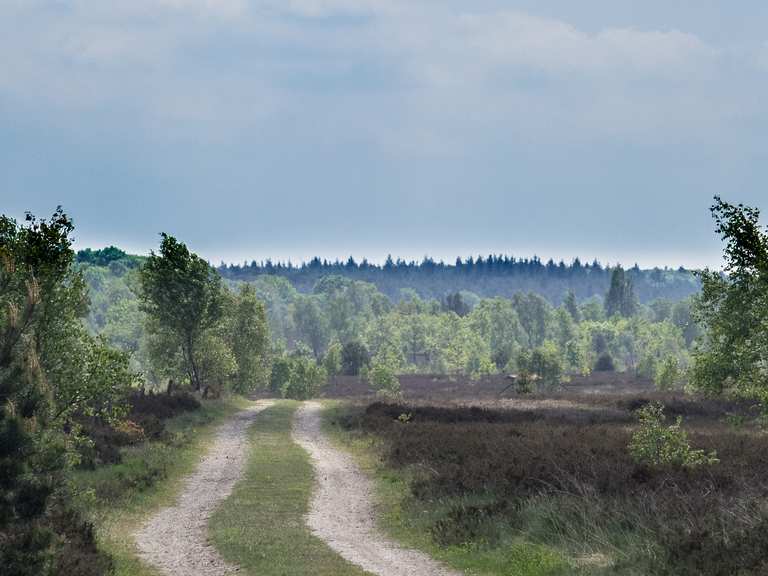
x=289, y=128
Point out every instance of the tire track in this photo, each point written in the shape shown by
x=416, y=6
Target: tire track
x=175, y=539
x=342, y=512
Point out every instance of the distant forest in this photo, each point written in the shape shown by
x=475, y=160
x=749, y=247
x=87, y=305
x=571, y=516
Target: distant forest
x=485, y=276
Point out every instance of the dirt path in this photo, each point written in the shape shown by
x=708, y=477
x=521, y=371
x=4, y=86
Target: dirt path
x=175, y=540
x=342, y=511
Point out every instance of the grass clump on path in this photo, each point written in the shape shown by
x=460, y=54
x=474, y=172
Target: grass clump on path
x=117, y=498
x=261, y=526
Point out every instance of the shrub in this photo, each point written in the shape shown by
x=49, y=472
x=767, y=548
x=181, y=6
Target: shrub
x=656, y=444
x=543, y=364
x=667, y=374
x=306, y=379
x=384, y=381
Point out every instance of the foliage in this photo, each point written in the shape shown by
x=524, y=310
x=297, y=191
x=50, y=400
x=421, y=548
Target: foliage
x=544, y=362
x=184, y=294
x=354, y=355
x=572, y=307
x=384, y=380
x=455, y=303
x=733, y=309
x=333, y=359
x=489, y=276
x=41, y=303
x=102, y=257
x=249, y=341
x=280, y=373
x=657, y=444
x=312, y=326
x=216, y=364
x=620, y=299
x=605, y=363
x=305, y=380
x=668, y=374
x=413, y=335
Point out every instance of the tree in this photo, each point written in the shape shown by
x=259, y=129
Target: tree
x=384, y=380
x=455, y=303
x=216, y=364
x=306, y=378
x=332, y=360
x=534, y=313
x=185, y=295
x=604, y=363
x=354, y=356
x=41, y=306
x=668, y=373
x=733, y=308
x=682, y=317
x=572, y=307
x=545, y=362
x=620, y=299
x=311, y=324
x=249, y=340
x=496, y=321
x=540, y=365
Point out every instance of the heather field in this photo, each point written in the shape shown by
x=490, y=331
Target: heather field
x=554, y=472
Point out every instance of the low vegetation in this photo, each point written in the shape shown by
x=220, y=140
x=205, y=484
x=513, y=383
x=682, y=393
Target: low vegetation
x=566, y=479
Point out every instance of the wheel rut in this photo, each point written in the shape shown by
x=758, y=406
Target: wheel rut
x=175, y=539
x=342, y=510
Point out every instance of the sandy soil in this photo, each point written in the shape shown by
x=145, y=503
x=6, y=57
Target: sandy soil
x=342, y=512
x=175, y=539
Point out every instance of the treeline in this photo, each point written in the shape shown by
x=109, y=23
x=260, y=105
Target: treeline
x=349, y=326
x=489, y=276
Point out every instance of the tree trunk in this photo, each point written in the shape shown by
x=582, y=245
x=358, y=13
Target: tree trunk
x=192, y=368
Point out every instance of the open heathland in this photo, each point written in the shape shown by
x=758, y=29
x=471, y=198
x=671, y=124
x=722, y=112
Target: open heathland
x=559, y=474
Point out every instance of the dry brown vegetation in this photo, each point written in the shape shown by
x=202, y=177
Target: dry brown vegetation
x=555, y=469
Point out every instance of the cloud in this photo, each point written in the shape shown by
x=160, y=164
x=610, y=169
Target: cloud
x=403, y=76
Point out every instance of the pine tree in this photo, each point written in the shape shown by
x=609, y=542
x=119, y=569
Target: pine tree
x=571, y=306
x=620, y=299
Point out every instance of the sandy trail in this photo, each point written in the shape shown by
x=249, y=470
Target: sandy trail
x=175, y=539
x=342, y=511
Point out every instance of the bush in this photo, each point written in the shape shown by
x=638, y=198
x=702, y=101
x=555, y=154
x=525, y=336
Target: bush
x=543, y=364
x=659, y=445
x=667, y=374
x=306, y=379
x=384, y=381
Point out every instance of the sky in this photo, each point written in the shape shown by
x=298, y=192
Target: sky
x=283, y=129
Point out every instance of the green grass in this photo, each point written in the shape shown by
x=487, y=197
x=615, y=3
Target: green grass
x=119, y=497
x=408, y=521
x=261, y=527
